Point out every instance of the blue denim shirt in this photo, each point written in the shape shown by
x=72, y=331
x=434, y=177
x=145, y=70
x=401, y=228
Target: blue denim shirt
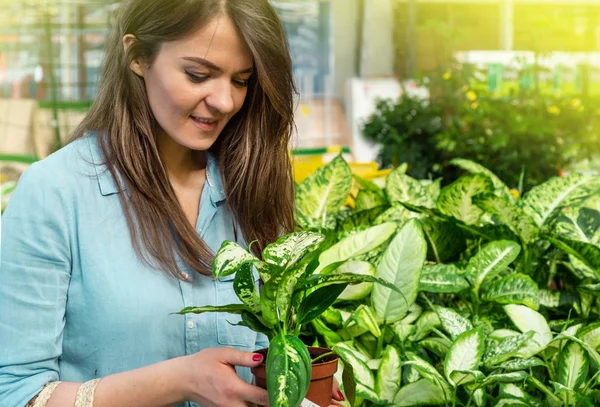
x=76, y=303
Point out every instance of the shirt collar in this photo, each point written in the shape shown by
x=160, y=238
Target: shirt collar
x=108, y=186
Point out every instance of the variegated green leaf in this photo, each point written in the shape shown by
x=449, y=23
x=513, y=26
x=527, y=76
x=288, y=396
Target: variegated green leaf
x=328, y=279
x=590, y=334
x=445, y=240
x=454, y=323
x=359, y=291
x=401, y=265
x=395, y=213
x=331, y=337
x=506, y=349
x=587, y=253
x=593, y=354
x=433, y=187
x=501, y=189
x=591, y=289
x=480, y=397
x=319, y=197
x=512, y=402
x=426, y=322
x=580, y=222
x=460, y=377
x=573, y=366
x=358, y=221
x=245, y=287
x=464, y=355
x=520, y=364
x=419, y=393
x=362, y=374
x=455, y=199
x=514, y=289
x=439, y=346
x=389, y=374
x=367, y=185
x=402, y=188
x=544, y=201
x=512, y=377
x=365, y=318
x=229, y=257
x=527, y=320
x=442, y=278
x=288, y=371
x=368, y=200
x=356, y=244
x=491, y=260
x=508, y=214
x=289, y=249
x=427, y=371
x=235, y=309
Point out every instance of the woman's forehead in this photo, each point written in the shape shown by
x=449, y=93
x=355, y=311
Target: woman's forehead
x=218, y=41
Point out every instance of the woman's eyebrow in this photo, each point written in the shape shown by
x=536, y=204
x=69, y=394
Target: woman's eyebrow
x=214, y=67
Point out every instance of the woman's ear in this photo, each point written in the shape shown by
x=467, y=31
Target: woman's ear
x=135, y=66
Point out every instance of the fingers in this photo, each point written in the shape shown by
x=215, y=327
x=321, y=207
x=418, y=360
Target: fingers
x=336, y=393
x=255, y=395
x=239, y=358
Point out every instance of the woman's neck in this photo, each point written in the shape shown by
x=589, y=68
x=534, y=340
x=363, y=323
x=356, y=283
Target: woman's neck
x=182, y=164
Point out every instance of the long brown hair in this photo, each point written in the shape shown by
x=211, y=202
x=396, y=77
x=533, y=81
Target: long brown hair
x=252, y=148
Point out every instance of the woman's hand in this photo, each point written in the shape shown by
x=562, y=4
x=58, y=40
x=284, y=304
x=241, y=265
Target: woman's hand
x=214, y=382
x=336, y=394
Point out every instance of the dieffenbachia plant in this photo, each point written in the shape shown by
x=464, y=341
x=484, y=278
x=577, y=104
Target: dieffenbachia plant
x=293, y=295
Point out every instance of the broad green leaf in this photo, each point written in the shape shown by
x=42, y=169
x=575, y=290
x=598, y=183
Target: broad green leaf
x=590, y=334
x=508, y=214
x=414, y=312
x=356, y=244
x=403, y=331
x=359, y=291
x=454, y=323
x=464, y=355
x=520, y=364
x=592, y=289
x=501, y=189
x=330, y=336
x=480, y=397
x=460, y=377
x=319, y=197
x=362, y=374
x=288, y=371
x=433, y=187
x=511, y=377
x=402, y=188
x=442, y=278
x=253, y=322
x=445, y=240
x=235, y=309
x=368, y=200
x=514, y=289
x=419, y=393
x=527, y=320
x=573, y=366
x=427, y=371
x=511, y=390
x=367, y=185
x=580, y=222
x=365, y=318
x=229, y=257
x=317, y=302
x=428, y=321
x=587, y=253
x=389, y=374
x=328, y=279
x=245, y=287
x=439, y=346
x=491, y=260
x=544, y=201
x=511, y=402
x=506, y=349
x=349, y=383
x=368, y=393
x=455, y=199
x=374, y=365
x=289, y=249
x=358, y=221
x=593, y=354
x=396, y=213
x=401, y=265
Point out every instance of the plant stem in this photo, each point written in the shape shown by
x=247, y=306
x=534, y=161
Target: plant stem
x=379, y=345
x=323, y=356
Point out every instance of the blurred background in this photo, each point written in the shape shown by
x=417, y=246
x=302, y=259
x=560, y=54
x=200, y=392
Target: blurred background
x=511, y=84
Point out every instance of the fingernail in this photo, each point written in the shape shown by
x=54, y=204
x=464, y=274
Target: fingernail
x=256, y=357
x=341, y=396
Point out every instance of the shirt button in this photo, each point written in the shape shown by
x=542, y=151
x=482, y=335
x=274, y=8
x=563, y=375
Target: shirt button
x=190, y=324
x=186, y=276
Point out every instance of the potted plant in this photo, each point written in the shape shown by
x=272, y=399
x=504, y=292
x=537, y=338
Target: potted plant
x=292, y=296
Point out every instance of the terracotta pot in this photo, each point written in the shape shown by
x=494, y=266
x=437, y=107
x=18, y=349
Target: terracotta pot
x=321, y=380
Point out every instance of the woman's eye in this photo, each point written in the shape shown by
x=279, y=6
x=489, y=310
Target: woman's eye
x=241, y=83
x=195, y=77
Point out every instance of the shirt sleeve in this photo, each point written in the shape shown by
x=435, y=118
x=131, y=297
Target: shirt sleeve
x=35, y=268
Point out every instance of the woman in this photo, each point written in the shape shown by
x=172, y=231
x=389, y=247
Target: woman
x=184, y=147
